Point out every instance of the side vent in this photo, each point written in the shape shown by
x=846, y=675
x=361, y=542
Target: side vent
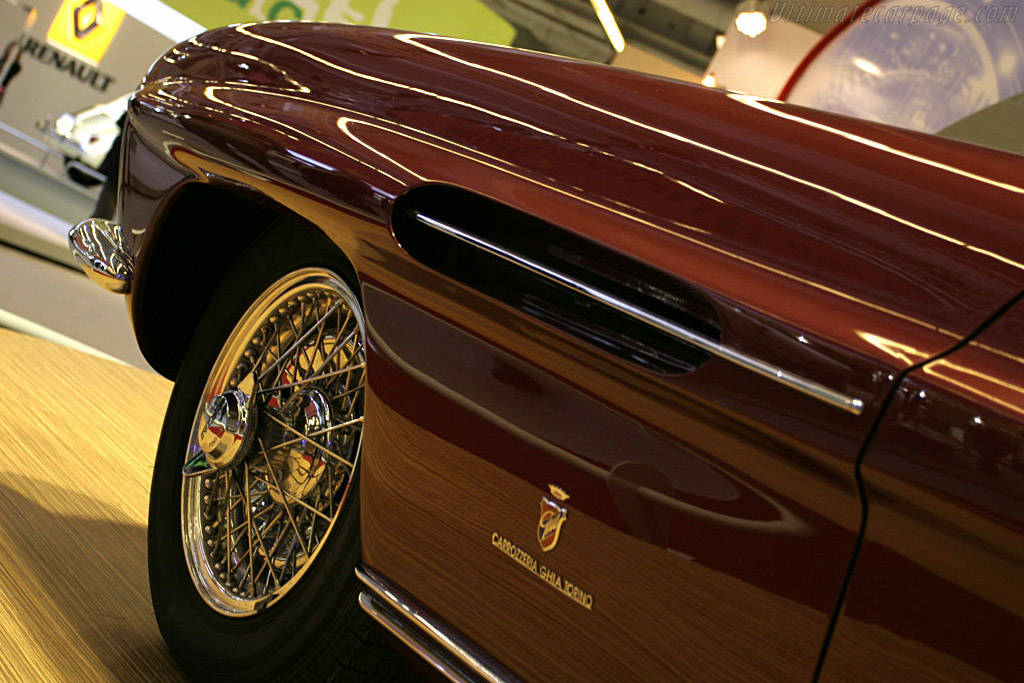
x=574, y=284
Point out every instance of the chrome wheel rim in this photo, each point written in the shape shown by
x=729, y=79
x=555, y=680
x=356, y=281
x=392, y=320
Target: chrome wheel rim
x=252, y=528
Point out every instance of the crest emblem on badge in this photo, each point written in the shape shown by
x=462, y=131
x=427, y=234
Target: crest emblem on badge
x=552, y=517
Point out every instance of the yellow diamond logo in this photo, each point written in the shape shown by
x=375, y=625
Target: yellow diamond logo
x=85, y=28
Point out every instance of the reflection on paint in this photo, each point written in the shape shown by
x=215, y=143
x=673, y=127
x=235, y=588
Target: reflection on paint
x=348, y=122
x=960, y=376
x=906, y=354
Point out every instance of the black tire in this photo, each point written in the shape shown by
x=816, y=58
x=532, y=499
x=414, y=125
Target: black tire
x=316, y=631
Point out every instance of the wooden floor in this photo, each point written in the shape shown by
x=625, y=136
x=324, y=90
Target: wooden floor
x=77, y=439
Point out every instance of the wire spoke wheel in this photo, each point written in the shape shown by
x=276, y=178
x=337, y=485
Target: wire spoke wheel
x=252, y=527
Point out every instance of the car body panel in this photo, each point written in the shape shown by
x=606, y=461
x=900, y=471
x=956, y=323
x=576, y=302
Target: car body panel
x=712, y=514
x=937, y=591
x=654, y=526
x=711, y=186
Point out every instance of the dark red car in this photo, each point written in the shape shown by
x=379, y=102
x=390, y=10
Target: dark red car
x=562, y=372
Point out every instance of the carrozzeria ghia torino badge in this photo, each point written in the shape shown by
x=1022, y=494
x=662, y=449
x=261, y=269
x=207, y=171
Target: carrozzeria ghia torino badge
x=552, y=517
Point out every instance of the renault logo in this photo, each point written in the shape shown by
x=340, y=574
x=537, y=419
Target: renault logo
x=87, y=17
x=85, y=29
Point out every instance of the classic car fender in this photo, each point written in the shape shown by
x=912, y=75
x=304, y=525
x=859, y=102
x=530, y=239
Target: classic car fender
x=932, y=258
x=718, y=493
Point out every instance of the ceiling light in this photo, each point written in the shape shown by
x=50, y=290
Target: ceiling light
x=709, y=80
x=608, y=23
x=751, y=24
x=750, y=18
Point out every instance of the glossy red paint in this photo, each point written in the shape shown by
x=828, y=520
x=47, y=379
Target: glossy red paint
x=722, y=502
x=863, y=218
x=937, y=590
x=842, y=250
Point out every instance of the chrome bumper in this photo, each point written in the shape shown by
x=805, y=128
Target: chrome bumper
x=99, y=249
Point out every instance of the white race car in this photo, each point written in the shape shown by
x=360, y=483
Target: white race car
x=85, y=136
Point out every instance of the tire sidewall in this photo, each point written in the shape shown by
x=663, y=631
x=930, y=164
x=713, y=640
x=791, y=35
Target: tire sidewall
x=291, y=636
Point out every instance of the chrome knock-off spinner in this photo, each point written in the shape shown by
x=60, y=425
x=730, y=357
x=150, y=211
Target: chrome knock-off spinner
x=299, y=465
x=227, y=428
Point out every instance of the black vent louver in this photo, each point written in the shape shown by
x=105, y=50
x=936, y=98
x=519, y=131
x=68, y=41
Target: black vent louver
x=552, y=274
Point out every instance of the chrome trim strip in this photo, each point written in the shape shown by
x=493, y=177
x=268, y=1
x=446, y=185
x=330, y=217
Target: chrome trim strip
x=794, y=381
x=445, y=649
x=100, y=251
x=409, y=636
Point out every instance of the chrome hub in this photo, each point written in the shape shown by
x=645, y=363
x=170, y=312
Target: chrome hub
x=227, y=428
x=299, y=459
